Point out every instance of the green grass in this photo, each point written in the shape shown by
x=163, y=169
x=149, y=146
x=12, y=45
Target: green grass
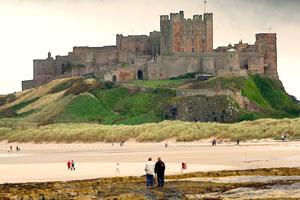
x=125, y=65
x=115, y=106
x=83, y=108
x=235, y=83
x=272, y=92
x=24, y=104
x=149, y=117
x=253, y=93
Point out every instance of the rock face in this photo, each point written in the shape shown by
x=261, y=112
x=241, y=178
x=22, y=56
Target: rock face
x=274, y=183
x=202, y=108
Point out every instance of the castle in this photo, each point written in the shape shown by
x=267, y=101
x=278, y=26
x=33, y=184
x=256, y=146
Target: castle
x=182, y=46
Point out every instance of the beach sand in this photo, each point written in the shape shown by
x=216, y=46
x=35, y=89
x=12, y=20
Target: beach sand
x=47, y=162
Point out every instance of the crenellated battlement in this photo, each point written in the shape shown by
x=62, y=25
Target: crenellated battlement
x=180, y=17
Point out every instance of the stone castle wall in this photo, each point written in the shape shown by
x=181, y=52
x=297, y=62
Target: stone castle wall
x=182, y=46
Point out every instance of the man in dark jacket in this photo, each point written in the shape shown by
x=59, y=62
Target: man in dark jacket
x=160, y=172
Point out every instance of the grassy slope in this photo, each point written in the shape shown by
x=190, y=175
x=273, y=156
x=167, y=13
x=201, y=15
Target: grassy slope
x=114, y=106
x=121, y=106
x=47, y=104
x=267, y=94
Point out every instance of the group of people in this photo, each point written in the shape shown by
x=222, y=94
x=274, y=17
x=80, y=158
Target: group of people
x=283, y=138
x=17, y=148
x=71, y=165
x=157, y=169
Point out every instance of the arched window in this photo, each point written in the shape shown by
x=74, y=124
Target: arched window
x=114, y=79
x=140, y=75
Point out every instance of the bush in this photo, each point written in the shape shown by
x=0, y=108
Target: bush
x=8, y=113
x=7, y=99
x=63, y=86
x=77, y=88
x=186, y=76
x=109, y=85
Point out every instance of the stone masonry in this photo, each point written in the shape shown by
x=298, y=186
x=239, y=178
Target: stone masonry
x=181, y=46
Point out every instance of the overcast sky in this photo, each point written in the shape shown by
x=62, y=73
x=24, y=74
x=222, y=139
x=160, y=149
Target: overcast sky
x=29, y=29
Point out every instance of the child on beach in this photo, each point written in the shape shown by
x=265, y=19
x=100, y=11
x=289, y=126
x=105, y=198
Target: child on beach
x=183, y=167
x=69, y=164
x=118, y=169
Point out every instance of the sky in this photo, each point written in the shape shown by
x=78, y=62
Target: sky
x=29, y=29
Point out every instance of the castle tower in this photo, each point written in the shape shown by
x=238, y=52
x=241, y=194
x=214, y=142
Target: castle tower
x=266, y=46
x=186, y=35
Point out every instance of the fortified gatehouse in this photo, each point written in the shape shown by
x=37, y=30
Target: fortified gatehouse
x=182, y=46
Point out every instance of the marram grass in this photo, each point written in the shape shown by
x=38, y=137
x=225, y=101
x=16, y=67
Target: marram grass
x=13, y=131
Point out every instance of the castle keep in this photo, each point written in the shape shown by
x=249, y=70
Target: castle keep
x=182, y=46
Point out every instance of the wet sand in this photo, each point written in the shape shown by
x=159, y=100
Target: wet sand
x=47, y=162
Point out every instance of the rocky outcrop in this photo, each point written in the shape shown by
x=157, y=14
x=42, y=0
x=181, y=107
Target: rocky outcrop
x=202, y=108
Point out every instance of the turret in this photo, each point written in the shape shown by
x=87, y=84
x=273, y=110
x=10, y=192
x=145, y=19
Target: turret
x=266, y=46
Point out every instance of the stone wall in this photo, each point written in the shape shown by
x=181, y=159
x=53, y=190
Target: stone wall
x=205, y=92
x=167, y=66
x=202, y=108
x=139, y=44
x=243, y=102
x=28, y=84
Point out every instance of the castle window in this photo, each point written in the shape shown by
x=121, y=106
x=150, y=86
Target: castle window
x=193, y=31
x=203, y=41
x=193, y=50
x=182, y=41
x=193, y=41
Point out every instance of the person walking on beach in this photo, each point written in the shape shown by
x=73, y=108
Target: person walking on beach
x=72, y=165
x=118, y=169
x=160, y=172
x=149, y=168
x=183, y=167
x=10, y=148
x=214, y=142
x=69, y=164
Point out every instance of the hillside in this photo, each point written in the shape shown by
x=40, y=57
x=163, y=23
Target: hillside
x=79, y=100
x=79, y=109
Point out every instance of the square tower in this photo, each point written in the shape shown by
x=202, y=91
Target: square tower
x=186, y=35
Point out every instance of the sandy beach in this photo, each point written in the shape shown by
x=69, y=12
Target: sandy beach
x=47, y=162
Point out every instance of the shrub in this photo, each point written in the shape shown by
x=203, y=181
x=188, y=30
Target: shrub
x=63, y=86
x=7, y=99
x=186, y=76
x=8, y=113
x=77, y=88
